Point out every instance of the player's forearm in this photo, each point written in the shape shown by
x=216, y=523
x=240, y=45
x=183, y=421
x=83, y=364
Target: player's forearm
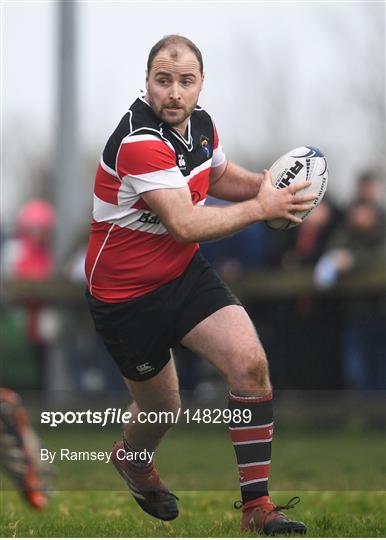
x=212, y=222
x=236, y=184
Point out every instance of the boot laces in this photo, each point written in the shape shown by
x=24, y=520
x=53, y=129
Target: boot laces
x=290, y=504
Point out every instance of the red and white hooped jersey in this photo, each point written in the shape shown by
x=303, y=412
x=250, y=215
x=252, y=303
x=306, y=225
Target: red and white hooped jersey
x=130, y=251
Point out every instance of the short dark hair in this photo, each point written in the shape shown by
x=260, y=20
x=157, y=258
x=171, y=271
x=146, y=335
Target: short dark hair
x=176, y=40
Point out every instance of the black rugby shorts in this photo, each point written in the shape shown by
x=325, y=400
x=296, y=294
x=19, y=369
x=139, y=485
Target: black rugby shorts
x=139, y=333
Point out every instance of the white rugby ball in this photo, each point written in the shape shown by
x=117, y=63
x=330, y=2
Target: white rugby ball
x=303, y=163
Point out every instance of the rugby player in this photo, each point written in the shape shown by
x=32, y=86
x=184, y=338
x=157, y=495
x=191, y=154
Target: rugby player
x=20, y=450
x=149, y=288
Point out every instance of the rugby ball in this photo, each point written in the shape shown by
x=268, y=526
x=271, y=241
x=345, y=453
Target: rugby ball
x=305, y=163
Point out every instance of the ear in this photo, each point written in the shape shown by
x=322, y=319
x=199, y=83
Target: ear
x=146, y=79
x=202, y=81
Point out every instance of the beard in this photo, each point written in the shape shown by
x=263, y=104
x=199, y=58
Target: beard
x=172, y=114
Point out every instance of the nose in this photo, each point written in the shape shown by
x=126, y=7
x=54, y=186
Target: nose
x=175, y=91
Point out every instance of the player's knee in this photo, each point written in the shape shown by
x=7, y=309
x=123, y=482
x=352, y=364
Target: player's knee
x=255, y=370
x=251, y=373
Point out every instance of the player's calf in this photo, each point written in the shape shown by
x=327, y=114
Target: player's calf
x=151, y=421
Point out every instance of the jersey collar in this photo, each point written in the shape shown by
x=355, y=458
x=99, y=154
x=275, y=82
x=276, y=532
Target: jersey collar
x=188, y=143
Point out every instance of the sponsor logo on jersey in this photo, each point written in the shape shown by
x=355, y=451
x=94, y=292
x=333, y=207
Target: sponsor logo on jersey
x=148, y=217
x=204, y=143
x=144, y=368
x=181, y=162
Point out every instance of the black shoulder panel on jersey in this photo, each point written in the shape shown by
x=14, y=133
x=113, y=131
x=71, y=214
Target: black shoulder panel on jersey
x=140, y=119
x=143, y=117
x=202, y=127
x=202, y=131
x=114, y=142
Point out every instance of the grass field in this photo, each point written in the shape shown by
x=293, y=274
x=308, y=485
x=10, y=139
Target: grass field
x=207, y=514
x=340, y=478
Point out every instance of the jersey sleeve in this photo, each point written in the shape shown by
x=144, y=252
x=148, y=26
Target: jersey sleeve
x=145, y=162
x=218, y=153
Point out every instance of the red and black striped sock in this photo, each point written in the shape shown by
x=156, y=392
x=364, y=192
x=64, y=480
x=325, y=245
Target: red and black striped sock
x=252, y=442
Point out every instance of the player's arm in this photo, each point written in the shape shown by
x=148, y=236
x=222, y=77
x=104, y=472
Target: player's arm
x=189, y=223
x=231, y=182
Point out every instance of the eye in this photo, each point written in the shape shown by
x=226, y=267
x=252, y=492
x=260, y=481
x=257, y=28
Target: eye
x=187, y=82
x=163, y=81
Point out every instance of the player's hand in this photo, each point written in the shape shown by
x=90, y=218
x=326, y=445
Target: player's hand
x=276, y=203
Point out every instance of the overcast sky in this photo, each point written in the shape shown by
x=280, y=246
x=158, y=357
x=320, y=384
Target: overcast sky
x=278, y=75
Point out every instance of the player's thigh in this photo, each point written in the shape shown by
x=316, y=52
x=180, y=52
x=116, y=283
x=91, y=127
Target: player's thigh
x=160, y=392
x=228, y=339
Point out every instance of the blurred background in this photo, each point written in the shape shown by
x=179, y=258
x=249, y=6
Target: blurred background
x=278, y=76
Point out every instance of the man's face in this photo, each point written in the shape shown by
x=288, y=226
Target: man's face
x=173, y=86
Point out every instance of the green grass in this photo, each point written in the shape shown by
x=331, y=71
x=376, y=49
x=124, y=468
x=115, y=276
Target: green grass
x=207, y=514
x=340, y=478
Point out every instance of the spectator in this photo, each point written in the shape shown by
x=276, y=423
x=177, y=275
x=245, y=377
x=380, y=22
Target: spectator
x=294, y=324
x=234, y=255
x=370, y=189
x=28, y=255
x=360, y=244
x=302, y=246
x=35, y=223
